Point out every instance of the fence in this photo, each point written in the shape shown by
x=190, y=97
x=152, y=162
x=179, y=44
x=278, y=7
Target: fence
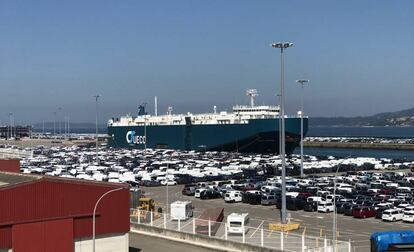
x=14, y=153
x=254, y=233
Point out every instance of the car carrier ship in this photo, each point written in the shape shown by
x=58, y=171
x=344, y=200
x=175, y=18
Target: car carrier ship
x=248, y=129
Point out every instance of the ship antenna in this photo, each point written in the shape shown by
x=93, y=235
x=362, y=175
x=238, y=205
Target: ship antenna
x=252, y=93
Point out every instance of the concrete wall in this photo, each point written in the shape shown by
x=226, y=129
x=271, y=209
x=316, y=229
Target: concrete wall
x=196, y=239
x=113, y=243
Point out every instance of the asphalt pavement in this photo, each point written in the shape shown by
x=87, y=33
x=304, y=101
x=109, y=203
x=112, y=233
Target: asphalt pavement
x=313, y=223
x=144, y=243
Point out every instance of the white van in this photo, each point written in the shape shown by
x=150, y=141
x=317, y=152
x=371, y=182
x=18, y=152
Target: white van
x=181, y=210
x=236, y=223
x=233, y=196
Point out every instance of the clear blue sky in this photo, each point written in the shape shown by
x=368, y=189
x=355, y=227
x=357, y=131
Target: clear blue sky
x=358, y=55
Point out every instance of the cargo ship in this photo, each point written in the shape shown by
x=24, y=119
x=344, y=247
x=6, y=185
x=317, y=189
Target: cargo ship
x=247, y=129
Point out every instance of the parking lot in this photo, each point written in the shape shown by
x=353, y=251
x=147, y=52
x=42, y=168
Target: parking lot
x=313, y=223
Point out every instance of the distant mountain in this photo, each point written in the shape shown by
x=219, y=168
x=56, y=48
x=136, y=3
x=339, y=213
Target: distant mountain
x=398, y=118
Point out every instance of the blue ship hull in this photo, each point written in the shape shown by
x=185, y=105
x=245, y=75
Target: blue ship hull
x=257, y=136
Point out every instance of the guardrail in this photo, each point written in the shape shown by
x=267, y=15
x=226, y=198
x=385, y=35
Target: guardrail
x=258, y=235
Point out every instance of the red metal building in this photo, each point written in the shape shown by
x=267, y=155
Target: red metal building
x=42, y=213
x=10, y=165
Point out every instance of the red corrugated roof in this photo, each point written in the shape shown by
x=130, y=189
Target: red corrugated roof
x=47, y=197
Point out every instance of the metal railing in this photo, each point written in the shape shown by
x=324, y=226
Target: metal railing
x=254, y=232
x=9, y=153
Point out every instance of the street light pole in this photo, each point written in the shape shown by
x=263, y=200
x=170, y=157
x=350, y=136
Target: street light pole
x=301, y=82
x=10, y=125
x=334, y=225
x=60, y=130
x=282, y=46
x=54, y=124
x=94, y=212
x=280, y=126
x=96, y=126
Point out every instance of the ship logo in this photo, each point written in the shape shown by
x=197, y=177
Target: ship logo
x=132, y=139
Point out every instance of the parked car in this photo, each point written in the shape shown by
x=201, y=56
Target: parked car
x=348, y=209
x=325, y=207
x=209, y=194
x=199, y=191
x=189, y=190
x=392, y=215
x=363, y=212
x=408, y=216
x=295, y=203
x=150, y=183
x=268, y=200
x=380, y=210
x=168, y=182
x=232, y=196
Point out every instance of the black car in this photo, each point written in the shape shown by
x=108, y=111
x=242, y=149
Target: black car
x=379, y=211
x=340, y=206
x=209, y=194
x=150, y=183
x=310, y=206
x=294, y=203
x=348, y=209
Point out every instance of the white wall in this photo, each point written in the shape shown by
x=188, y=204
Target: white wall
x=112, y=243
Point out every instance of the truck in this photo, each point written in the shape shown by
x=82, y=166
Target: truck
x=236, y=223
x=181, y=210
x=212, y=217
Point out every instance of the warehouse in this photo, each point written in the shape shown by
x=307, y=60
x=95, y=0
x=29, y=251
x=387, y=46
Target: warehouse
x=45, y=213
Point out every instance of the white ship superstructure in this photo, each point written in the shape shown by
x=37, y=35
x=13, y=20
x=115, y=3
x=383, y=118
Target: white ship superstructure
x=241, y=114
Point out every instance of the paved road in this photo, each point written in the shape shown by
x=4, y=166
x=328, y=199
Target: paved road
x=143, y=243
x=317, y=224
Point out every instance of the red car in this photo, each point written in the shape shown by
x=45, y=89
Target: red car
x=363, y=212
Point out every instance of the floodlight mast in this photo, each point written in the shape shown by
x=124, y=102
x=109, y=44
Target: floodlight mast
x=301, y=82
x=282, y=46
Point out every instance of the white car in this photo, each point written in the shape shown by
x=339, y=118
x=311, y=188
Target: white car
x=408, y=216
x=168, y=182
x=392, y=215
x=233, y=196
x=325, y=207
x=199, y=191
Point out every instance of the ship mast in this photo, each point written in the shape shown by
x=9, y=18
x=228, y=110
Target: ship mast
x=252, y=93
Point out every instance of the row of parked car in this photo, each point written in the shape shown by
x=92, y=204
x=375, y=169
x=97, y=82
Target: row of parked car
x=388, y=196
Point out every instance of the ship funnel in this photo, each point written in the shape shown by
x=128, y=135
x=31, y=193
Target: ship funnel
x=252, y=93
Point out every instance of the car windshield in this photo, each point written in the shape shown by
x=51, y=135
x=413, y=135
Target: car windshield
x=235, y=224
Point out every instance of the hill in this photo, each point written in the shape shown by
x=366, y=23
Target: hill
x=399, y=118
